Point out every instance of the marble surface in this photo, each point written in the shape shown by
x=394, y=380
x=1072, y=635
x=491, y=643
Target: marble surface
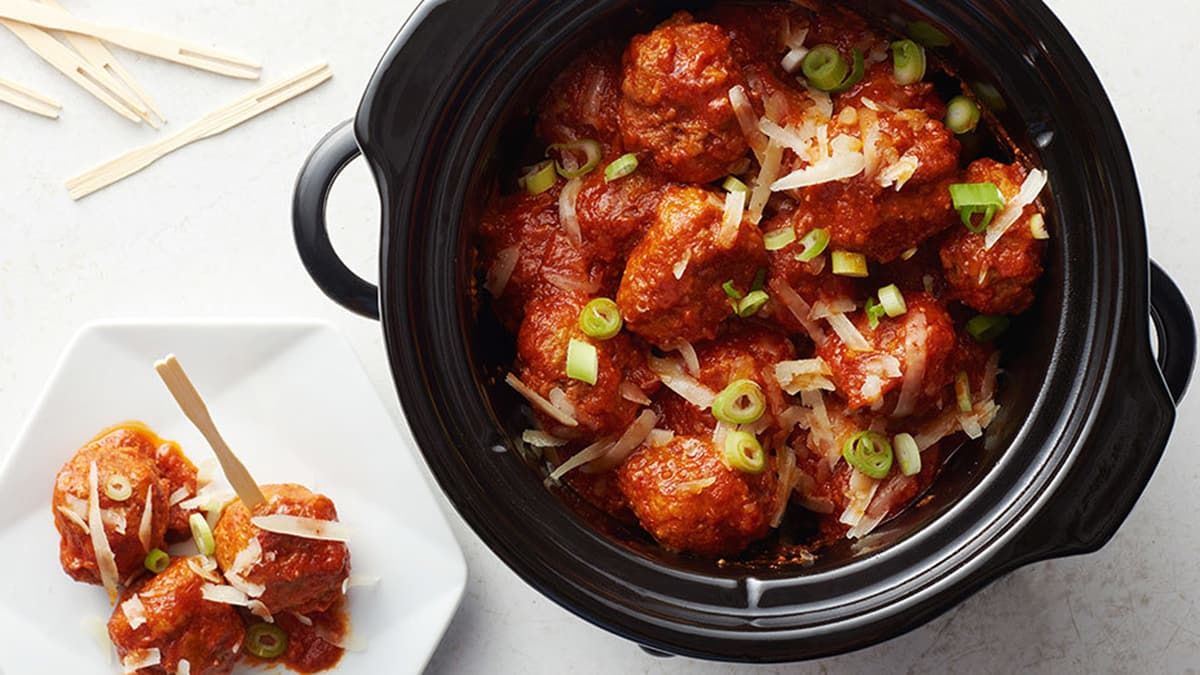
x=206, y=232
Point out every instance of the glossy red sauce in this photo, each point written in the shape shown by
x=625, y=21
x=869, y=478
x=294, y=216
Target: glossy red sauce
x=308, y=650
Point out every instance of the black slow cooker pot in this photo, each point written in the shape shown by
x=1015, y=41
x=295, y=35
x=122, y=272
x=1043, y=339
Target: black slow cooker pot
x=1087, y=406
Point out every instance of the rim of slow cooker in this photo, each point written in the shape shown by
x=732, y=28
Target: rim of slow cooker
x=945, y=557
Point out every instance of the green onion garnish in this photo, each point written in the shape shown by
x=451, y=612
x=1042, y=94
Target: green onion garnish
x=779, y=239
x=908, y=62
x=1037, y=226
x=538, y=178
x=962, y=391
x=744, y=453
x=753, y=302
x=118, y=488
x=742, y=402
x=907, y=255
x=601, y=319
x=621, y=167
x=157, y=560
x=874, y=312
x=927, y=35
x=870, y=453
x=892, y=300
x=731, y=291
x=987, y=327
x=908, y=455
x=202, y=534
x=976, y=199
x=826, y=70
x=266, y=640
x=962, y=115
x=582, y=362
x=733, y=184
x=760, y=280
x=568, y=163
x=990, y=96
x=849, y=264
x=814, y=243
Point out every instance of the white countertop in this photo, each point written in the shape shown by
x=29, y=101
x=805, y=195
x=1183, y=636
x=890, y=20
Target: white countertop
x=207, y=232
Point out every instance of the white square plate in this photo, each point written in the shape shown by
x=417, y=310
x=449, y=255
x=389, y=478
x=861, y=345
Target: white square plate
x=293, y=401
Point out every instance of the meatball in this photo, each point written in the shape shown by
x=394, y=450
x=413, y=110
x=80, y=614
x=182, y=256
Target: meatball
x=690, y=501
x=675, y=105
x=813, y=281
x=998, y=280
x=756, y=32
x=672, y=287
x=294, y=573
x=523, y=225
x=168, y=613
x=125, y=456
x=582, y=101
x=549, y=326
x=864, y=378
x=613, y=216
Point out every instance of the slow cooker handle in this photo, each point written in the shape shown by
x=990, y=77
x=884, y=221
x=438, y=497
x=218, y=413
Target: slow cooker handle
x=1176, y=330
x=332, y=154
x=1100, y=489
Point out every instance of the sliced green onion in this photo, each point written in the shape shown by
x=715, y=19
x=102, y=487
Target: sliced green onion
x=1037, y=227
x=567, y=163
x=892, y=300
x=962, y=391
x=814, y=243
x=538, y=178
x=582, y=362
x=779, y=239
x=760, y=280
x=753, y=302
x=601, y=319
x=157, y=560
x=987, y=327
x=870, y=453
x=874, y=312
x=733, y=184
x=908, y=455
x=849, y=264
x=742, y=402
x=202, y=534
x=927, y=35
x=621, y=167
x=118, y=488
x=908, y=62
x=976, y=199
x=731, y=291
x=744, y=453
x=825, y=69
x=907, y=255
x=962, y=115
x=266, y=640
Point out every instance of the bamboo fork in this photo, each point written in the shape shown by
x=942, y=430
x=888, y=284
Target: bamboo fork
x=28, y=99
x=98, y=55
x=193, y=407
x=96, y=82
x=159, y=46
x=210, y=125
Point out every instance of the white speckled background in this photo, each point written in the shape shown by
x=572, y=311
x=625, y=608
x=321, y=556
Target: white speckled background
x=206, y=232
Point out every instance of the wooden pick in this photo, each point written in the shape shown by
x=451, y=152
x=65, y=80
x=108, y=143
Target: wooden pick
x=28, y=99
x=193, y=406
x=158, y=46
x=99, y=56
x=212, y=124
x=95, y=82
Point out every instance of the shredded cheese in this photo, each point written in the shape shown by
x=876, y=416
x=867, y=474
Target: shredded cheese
x=539, y=402
x=134, y=611
x=848, y=332
x=137, y=659
x=74, y=518
x=502, y=270
x=145, y=533
x=541, y=439
x=670, y=372
x=804, y=375
x=299, y=526
x=1012, y=211
x=846, y=161
x=106, y=562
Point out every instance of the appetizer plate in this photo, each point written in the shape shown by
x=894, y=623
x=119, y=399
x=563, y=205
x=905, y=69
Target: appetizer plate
x=293, y=401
